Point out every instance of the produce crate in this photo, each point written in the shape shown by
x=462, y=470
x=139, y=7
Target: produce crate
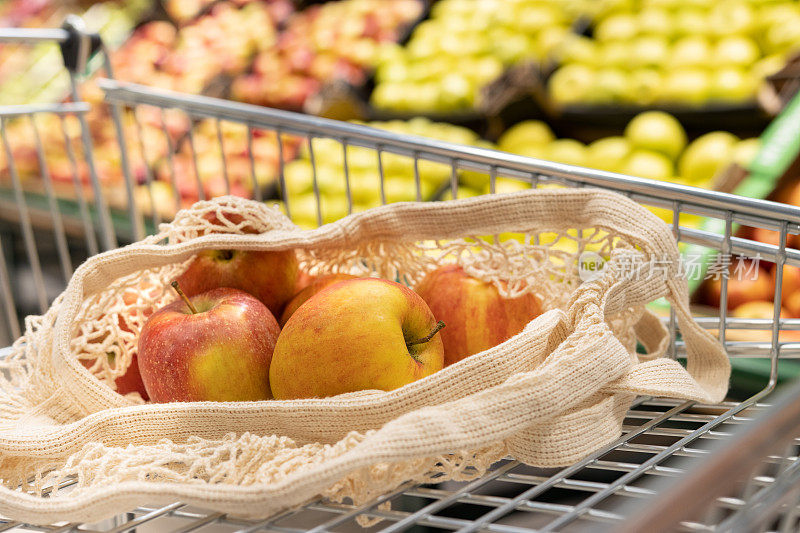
x=731, y=466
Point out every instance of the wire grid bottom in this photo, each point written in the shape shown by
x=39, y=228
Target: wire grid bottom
x=512, y=497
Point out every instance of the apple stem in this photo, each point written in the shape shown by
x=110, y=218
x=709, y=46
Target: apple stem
x=439, y=325
x=183, y=295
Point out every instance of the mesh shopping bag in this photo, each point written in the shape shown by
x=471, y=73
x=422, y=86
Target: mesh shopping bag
x=548, y=396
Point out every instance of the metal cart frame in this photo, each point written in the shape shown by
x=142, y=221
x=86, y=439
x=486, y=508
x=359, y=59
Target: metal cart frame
x=722, y=467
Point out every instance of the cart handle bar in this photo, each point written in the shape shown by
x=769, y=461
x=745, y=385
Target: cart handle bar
x=412, y=146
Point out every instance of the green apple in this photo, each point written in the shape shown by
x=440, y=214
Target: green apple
x=608, y=154
x=656, y=131
x=689, y=21
x=693, y=50
x=768, y=66
x=686, y=86
x=706, y=156
x=745, y=151
x=620, y=26
x=648, y=164
x=611, y=84
x=784, y=37
x=736, y=50
x=568, y=151
x=655, y=21
x=615, y=54
x=732, y=17
x=456, y=92
x=462, y=192
x=525, y=133
x=644, y=87
x=299, y=176
x=506, y=185
x=733, y=85
x=649, y=51
x=577, y=49
x=572, y=83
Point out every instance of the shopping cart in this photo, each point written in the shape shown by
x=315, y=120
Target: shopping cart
x=678, y=465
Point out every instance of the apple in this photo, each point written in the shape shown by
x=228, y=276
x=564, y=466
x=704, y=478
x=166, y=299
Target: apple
x=608, y=154
x=706, y=156
x=310, y=290
x=656, y=131
x=525, y=133
x=736, y=50
x=269, y=276
x=355, y=335
x=732, y=85
x=686, y=86
x=742, y=289
x=572, y=83
x=477, y=316
x=568, y=151
x=216, y=346
x=648, y=164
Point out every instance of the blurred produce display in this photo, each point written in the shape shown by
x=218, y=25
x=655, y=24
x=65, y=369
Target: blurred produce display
x=222, y=41
x=465, y=45
x=324, y=43
x=405, y=58
x=676, y=53
x=364, y=171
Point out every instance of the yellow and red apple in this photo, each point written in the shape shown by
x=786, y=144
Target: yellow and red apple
x=267, y=275
x=355, y=335
x=218, y=348
x=316, y=285
x=477, y=316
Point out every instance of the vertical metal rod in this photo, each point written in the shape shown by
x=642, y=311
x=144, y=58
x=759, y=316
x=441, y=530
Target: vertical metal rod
x=133, y=213
x=775, y=349
x=453, y=179
x=190, y=138
x=673, y=324
x=492, y=179
x=417, y=180
x=55, y=212
x=148, y=176
x=380, y=175
x=25, y=221
x=726, y=263
x=252, y=158
x=314, y=176
x=170, y=160
x=346, y=168
x=8, y=300
x=535, y=185
x=86, y=219
x=108, y=238
x=281, y=176
x=222, y=157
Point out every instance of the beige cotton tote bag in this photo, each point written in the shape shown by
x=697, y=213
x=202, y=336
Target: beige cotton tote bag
x=72, y=448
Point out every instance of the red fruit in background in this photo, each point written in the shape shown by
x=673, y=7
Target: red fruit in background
x=313, y=288
x=748, y=283
x=790, y=288
x=304, y=279
x=269, y=276
x=477, y=316
x=220, y=353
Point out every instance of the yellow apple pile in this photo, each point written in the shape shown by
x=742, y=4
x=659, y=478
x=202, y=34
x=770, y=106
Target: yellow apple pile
x=338, y=333
x=363, y=173
x=676, y=52
x=463, y=46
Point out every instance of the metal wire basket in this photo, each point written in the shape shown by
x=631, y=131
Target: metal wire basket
x=679, y=465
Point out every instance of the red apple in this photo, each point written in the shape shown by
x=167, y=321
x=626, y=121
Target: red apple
x=218, y=351
x=749, y=286
x=304, y=279
x=269, y=276
x=477, y=316
x=307, y=292
x=358, y=334
x=790, y=288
